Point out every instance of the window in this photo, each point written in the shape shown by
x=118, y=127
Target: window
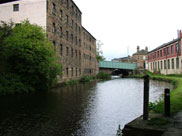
x=161, y=65
x=71, y=23
x=80, y=42
x=138, y=57
x=80, y=71
x=75, y=53
x=76, y=27
x=72, y=7
x=53, y=28
x=177, y=63
x=76, y=40
x=155, y=55
x=53, y=9
x=71, y=71
x=79, y=30
x=67, y=3
x=164, y=51
x=168, y=63
x=158, y=65
x=71, y=52
x=67, y=51
x=76, y=13
x=177, y=48
x=67, y=21
x=76, y=71
x=67, y=72
x=172, y=49
x=72, y=38
x=61, y=49
x=60, y=32
x=172, y=63
x=15, y=7
x=79, y=55
x=168, y=50
x=54, y=43
x=61, y=14
x=67, y=35
x=164, y=64
x=160, y=53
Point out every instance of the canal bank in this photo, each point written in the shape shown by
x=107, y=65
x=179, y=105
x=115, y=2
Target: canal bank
x=171, y=126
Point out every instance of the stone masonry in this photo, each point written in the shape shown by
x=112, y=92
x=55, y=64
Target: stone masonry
x=62, y=20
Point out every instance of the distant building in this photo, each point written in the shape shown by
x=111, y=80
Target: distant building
x=167, y=58
x=141, y=56
x=128, y=59
x=62, y=20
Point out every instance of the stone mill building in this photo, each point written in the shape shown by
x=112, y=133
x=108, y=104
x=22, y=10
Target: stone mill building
x=62, y=20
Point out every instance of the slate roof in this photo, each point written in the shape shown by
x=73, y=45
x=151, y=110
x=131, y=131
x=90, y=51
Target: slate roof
x=165, y=44
x=6, y=1
x=124, y=59
x=141, y=52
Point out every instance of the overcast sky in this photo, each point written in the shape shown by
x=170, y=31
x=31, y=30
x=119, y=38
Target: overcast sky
x=124, y=24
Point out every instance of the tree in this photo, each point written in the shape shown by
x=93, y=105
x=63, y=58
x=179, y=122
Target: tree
x=5, y=31
x=99, y=53
x=30, y=56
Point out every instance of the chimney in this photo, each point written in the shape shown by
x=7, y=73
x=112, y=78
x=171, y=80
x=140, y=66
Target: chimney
x=138, y=48
x=146, y=48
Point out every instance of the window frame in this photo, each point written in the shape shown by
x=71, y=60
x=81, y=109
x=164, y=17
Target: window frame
x=16, y=7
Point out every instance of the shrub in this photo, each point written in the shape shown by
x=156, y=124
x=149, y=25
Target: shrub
x=11, y=83
x=30, y=56
x=103, y=76
x=86, y=79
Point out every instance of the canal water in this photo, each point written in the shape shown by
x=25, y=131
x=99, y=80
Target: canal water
x=93, y=109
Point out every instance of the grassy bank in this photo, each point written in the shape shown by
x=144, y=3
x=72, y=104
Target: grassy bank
x=101, y=76
x=176, y=93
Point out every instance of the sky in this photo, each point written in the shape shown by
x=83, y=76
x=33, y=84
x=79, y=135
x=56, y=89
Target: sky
x=122, y=25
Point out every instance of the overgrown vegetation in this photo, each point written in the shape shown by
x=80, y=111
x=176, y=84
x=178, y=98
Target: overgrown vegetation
x=176, y=93
x=103, y=76
x=29, y=61
x=86, y=79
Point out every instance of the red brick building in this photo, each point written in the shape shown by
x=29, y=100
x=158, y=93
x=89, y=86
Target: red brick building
x=166, y=59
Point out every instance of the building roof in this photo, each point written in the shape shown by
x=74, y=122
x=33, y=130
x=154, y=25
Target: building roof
x=141, y=52
x=165, y=44
x=88, y=32
x=124, y=59
x=6, y=1
x=76, y=6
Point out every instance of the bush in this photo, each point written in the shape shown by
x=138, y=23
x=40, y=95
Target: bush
x=103, y=76
x=11, y=84
x=86, y=79
x=29, y=55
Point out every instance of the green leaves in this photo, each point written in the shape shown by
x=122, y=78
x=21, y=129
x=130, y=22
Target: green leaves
x=30, y=55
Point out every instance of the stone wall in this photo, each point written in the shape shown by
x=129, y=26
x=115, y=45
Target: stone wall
x=70, y=39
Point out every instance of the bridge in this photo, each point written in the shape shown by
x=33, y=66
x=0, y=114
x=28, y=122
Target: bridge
x=116, y=68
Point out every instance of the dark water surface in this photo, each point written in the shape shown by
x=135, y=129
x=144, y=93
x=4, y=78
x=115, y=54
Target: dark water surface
x=94, y=109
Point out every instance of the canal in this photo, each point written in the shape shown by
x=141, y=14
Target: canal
x=93, y=109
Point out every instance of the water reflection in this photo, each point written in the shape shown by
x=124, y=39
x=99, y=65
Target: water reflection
x=93, y=109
